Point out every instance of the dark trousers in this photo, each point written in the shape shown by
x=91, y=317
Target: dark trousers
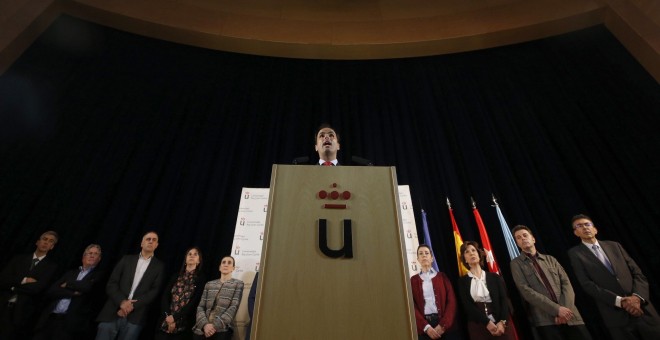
x=217, y=336
x=563, y=332
x=478, y=331
x=643, y=328
x=56, y=328
x=13, y=324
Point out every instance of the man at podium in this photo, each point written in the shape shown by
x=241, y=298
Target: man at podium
x=327, y=145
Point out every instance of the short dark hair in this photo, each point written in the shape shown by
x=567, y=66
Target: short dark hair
x=150, y=232
x=475, y=244
x=580, y=217
x=52, y=233
x=424, y=246
x=521, y=227
x=229, y=256
x=323, y=126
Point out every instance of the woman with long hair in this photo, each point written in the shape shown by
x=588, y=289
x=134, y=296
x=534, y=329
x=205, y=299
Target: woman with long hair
x=180, y=299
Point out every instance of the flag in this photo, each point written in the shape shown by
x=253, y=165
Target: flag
x=458, y=241
x=510, y=241
x=490, y=257
x=485, y=241
x=427, y=238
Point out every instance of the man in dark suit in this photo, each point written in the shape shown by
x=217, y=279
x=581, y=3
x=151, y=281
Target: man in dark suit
x=612, y=278
x=22, y=283
x=72, y=301
x=327, y=145
x=133, y=285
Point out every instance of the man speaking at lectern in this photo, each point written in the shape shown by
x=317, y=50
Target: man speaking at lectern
x=327, y=145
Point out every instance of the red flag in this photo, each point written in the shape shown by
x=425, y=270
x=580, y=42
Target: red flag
x=490, y=257
x=485, y=241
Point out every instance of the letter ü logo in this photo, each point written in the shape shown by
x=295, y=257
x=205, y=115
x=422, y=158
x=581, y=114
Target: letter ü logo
x=346, y=250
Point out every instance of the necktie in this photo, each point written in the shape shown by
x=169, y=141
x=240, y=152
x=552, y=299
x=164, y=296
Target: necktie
x=544, y=279
x=602, y=258
x=327, y=163
x=34, y=263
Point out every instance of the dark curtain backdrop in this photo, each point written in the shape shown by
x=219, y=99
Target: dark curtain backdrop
x=106, y=135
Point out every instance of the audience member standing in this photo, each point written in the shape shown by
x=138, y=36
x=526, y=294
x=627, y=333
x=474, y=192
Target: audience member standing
x=180, y=299
x=433, y=297
x=133, y=285
x=22, y=283
x=72, y=299
x=612, y=278
x=547, y=291
x=219, y=304
x=483, y=296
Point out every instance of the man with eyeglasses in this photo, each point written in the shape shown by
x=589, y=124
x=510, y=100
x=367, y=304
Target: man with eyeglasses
x=73, y=301
x=612, y=278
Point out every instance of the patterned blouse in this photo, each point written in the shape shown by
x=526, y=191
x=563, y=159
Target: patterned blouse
x=218, y=305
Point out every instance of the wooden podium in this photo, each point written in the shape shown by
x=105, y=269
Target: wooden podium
x=351, y=285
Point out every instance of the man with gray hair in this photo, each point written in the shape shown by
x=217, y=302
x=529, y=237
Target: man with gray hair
x=73, y=301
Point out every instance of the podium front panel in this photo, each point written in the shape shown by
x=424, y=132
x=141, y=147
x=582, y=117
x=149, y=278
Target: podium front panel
x=306, y=293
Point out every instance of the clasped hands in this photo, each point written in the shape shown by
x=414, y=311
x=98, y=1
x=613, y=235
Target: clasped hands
x=125, y=308
x=633, y=305
x=564, y=315
x=435, y=332
x=496, y=329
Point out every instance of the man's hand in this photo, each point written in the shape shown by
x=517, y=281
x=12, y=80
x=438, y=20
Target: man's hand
x=632, y=305
x=126, y=307
x=30, y=280
x=565, y=314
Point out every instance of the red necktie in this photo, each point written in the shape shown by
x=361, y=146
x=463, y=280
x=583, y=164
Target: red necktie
x=326, y=163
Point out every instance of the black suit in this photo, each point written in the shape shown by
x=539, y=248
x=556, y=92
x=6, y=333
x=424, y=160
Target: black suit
x=79, y=316
x=597, y=281
x=119, y=287
x=16, y=321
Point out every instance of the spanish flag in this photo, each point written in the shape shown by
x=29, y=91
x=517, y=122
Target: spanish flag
x=458, y=241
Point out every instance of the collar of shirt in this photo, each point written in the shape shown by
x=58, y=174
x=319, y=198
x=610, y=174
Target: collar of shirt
x=34, y=256
x=146, y=258
x=590, y=245
x=427, y=275
x=334, y=162
x=537, y=256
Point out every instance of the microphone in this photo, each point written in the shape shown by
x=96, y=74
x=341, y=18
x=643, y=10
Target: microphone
x=362, y=161
x=300, y=160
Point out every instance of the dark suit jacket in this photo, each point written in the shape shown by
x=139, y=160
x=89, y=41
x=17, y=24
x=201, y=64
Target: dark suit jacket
x=29, y=294
x=119, y=286
x=604, y=287
x=500, y=304
x=84, y=305
x=445, y=301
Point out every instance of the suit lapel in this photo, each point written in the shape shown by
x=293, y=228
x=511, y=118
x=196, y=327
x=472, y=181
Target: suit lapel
x=590, y=256
x=611, y=254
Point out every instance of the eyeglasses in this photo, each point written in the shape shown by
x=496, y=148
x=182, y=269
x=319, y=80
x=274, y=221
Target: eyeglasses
x=583, y=225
